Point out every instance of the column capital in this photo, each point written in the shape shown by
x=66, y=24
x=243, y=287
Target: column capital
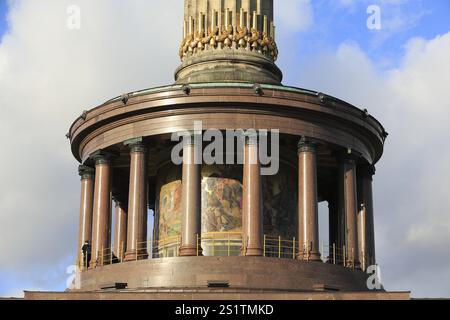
x=307, y=145
x=136, y=145
x=367, y=170
x=251, y=137
x=119, y=200
x=348, y=155
x=86, y=172
x=101, y=157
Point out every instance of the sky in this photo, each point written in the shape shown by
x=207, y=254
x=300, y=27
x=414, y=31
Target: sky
x=49, y=74
x=3, y=15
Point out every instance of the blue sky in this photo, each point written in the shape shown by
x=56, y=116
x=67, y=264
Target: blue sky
x=44, y=57
x=3, y=12
x=345, y=21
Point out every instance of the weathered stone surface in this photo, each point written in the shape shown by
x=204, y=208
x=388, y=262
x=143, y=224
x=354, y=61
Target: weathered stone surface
x=228, y=65
x=241, y=272
x=221, y=294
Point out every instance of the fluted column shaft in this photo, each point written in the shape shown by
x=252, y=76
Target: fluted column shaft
x=308, y=211
x=120, y=231
x=366, y=232
x=191, y=199
x=86, y=207
x=102, y=211
x=137, y=203
x=350, y=210
x=251, y=200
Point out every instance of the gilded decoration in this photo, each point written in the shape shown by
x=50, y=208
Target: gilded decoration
x=229, y=38
x=238, y=30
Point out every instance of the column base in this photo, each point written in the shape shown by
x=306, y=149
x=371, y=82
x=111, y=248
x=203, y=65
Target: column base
x=93, y=265
x=356, y=265
x=190, y=251
x=312, y=256
x=82, y=269
x=254, y=252
x=131, y=256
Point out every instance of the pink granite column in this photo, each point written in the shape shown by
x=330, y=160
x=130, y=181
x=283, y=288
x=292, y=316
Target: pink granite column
x=120, y=231
x=366, y=232
x=308, y=211
x=191, y=198
x=137, y=202
x=86, y=206
x=251, y=199
x=348, y=172
x=102, y=210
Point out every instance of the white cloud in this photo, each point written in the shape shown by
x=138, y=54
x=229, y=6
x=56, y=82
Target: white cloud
x=48, y=76
x=294, y=15
x=413, y=177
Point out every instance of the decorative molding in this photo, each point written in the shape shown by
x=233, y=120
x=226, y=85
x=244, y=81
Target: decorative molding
x=218, y=27
x=136, y=145
x=251, y=138
x=239, y=38
x=86, y=172
x=307, y=145
x=102, y=157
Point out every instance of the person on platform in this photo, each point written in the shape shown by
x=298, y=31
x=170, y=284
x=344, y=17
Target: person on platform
x=87, y=249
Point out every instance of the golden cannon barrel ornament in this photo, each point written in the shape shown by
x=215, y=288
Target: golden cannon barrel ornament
x=227, y=29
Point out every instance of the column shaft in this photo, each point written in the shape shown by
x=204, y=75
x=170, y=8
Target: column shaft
x=137, y=204
x=251, y=200
x=86, y=207
x=191, y=201
x=350, y=210
x=120, y=231
x=366, y=236
x=101, y=212
x=308, y=211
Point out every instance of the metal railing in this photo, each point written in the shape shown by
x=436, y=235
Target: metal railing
x=221, y=244
x=226, y=244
